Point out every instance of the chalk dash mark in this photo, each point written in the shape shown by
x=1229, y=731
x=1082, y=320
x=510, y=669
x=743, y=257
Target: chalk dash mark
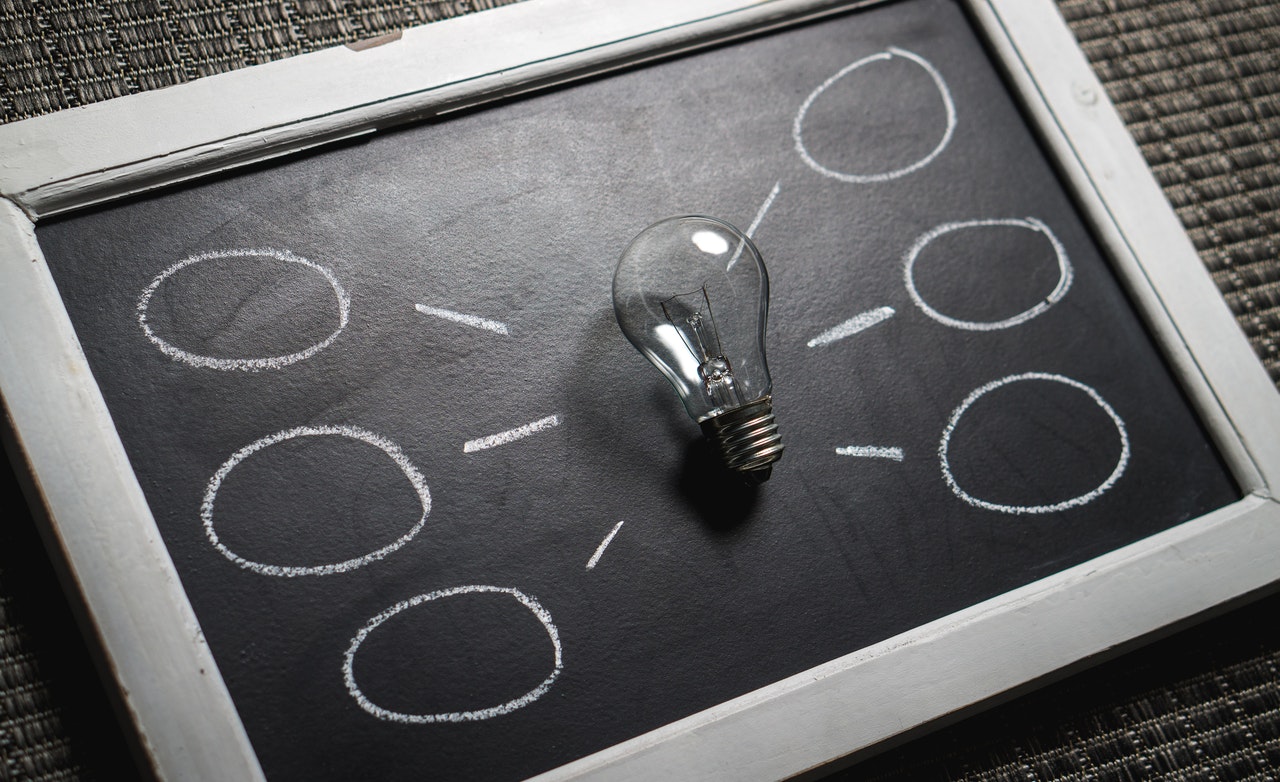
x=511, y=435
x=860, y=322
x=591, y=563
x=768, y=202
x=473, y=321
x=751, y=232
x=871, y=452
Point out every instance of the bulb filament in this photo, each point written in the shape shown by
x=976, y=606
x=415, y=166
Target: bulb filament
x=690, y=314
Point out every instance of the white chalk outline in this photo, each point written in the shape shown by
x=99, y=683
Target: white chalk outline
x=797, y=127
x=872, y=451
x=245, y=364
x=1065, y=273
x=1121, y=464
x=591, y=563
x=751, y=232
x=859, y=322
x=389, y=448
x=455, y=716
x=511, y=435
x=474, y=321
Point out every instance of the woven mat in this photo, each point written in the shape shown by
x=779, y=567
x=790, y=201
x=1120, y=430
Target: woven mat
x=1202, y=705
x=56, y=54
x=1197, y=81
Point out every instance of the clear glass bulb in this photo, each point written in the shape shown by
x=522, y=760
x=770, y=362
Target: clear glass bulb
x=692, y=294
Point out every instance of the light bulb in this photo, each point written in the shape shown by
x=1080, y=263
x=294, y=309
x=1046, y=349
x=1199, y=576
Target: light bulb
x=692, y=295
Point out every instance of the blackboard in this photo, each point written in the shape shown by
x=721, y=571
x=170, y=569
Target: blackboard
x=394, y=534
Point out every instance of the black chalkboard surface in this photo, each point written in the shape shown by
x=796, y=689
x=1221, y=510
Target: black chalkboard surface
x=438, y=519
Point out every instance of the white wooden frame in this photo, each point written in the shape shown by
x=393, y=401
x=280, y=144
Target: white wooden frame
x=103, y=529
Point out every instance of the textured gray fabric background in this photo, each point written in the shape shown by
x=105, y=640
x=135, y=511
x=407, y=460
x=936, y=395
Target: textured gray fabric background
x=1197, y=82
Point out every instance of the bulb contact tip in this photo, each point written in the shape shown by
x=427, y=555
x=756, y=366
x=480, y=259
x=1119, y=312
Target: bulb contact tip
x=747, y=438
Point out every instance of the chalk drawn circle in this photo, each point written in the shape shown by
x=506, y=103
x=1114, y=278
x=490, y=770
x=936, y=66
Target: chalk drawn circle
x=476, y=715
x=389, y=448
x=1121, y=463
x=797, y=127
x=1065, y=273
x=245, y=364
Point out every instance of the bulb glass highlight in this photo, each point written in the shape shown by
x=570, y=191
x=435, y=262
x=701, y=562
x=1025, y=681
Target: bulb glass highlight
x=692, y=295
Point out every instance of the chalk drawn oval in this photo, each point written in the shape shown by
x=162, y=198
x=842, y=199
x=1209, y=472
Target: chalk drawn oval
x=386, y=446
x=1042, y=304
x=245, y=364
x=476, y=715
x=1121, y=462
x=948, y=105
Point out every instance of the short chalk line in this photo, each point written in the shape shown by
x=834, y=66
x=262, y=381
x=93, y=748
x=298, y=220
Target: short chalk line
x=595, y=558
x=872, y=452
x=768, y=202
x=511, y=435
x=859, y=322
x=751, y=231
x=474, y=321
x=348, y=661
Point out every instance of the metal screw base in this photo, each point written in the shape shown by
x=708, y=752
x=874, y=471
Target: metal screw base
x=747, y=438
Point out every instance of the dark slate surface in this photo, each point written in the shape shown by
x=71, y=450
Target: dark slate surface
x=517, y=214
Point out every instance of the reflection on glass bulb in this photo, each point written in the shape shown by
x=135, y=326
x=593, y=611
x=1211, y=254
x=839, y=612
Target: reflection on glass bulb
x=692, y=294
